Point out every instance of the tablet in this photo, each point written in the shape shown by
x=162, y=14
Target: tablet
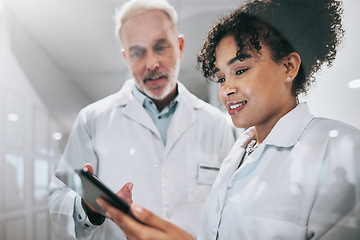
x=90, y=188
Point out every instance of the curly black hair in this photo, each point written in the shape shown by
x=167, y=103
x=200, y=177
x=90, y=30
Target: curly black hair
x=312, y=28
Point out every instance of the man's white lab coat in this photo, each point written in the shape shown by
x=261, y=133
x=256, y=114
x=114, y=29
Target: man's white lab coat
x=118, y=137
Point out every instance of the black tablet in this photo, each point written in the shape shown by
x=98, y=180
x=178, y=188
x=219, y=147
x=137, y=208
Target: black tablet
x=90, y=188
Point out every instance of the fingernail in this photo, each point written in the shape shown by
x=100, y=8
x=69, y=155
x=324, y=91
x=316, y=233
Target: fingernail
x=85, y=169
x=138, y=209
x=130, y=186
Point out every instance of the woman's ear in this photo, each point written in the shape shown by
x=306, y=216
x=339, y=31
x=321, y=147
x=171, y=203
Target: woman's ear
x=292, y=64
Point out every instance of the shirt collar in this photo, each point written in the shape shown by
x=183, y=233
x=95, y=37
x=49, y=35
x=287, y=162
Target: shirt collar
x=145, y=100
x=290, y=127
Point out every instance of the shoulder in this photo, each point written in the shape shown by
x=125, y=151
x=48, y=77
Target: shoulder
x=332, y=127
x=107, y=104
x=332, y=134
x=101, y=106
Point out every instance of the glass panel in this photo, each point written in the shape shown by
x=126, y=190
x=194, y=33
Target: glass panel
x=15, y=229
x=55, y=141
x=41, y=180
x=41, y=226
x=14, y=181
x=14, y=120
x=2, y=188
x=41, y=132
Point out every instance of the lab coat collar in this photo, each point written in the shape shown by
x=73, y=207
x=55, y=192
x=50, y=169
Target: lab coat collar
x=184, y=115
x=245, y=139
x=132, y=108
x=124, y=94
x=290, y=127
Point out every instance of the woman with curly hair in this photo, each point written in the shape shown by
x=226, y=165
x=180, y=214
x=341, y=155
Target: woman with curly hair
x=290, y=175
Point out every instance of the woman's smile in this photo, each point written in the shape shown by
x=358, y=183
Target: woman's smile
x=235, y=107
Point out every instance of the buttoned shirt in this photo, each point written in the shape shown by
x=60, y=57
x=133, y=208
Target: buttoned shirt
x=161, y=119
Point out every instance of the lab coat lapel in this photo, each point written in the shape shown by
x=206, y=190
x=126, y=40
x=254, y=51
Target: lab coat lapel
x=184, y=117
x=228, y=169
x=134, y=111
x=231, y=164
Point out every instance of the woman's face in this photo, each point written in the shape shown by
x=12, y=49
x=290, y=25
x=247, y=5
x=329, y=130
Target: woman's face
x=254, y=91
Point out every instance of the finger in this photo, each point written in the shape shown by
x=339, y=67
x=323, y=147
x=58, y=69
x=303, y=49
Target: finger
x=135, y=230
x=118, y=217
x=149, y=218
x=155, y=228
x=88, y=168
x=159, y=228
x=125, y=193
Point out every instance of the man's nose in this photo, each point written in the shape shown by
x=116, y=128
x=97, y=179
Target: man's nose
x=152, y=62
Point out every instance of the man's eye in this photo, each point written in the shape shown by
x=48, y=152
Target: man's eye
x=137, y=54
x=160, y=48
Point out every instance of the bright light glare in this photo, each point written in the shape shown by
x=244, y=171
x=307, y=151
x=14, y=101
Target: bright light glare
x=354, y=84
x=57, y=136
x=13, y=117
x=333, y=133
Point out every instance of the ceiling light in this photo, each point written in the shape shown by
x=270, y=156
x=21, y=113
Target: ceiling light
x=13, y=117
x=354, y=84
x=57, y=136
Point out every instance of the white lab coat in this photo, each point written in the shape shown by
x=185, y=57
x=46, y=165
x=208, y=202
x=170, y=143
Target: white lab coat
x=302, y=182
x=118, y=137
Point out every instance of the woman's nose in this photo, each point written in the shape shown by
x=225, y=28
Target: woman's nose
x=228, y=88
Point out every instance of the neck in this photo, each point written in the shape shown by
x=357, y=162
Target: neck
x=263, y=130
x=162, y=103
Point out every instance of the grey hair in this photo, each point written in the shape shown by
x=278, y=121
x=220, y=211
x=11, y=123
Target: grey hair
x=135, y=7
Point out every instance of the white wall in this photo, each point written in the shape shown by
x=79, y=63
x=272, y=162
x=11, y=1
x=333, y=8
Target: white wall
x=331, y=97
x=28, y=153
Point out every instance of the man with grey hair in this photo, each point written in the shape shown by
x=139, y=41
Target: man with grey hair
x=153, y=133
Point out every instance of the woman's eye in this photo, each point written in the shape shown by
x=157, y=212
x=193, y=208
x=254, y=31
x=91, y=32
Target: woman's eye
x=220, y=80
x=241, y=71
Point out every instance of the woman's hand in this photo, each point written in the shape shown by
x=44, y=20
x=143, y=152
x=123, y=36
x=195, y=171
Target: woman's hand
x=155, y=228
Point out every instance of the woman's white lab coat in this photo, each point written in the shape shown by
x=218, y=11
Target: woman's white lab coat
x=302, y=182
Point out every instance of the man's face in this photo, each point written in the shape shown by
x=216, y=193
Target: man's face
x=153, y=50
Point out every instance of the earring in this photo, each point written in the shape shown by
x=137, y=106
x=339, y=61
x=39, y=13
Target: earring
x=288, y=79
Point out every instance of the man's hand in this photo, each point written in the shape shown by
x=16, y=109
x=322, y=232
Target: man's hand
x=94, y=215
x=155, y=228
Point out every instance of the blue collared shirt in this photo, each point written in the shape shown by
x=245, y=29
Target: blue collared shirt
x=161, y=119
